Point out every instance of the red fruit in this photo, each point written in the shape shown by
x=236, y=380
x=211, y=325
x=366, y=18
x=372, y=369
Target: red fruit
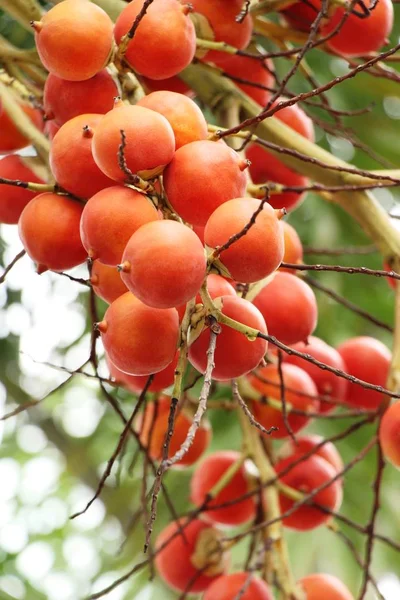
x=328, y=587
x=391, y=282
x=63, y=100
x=153, y=425
x=216, y=286
x=208, y=474
x=71, y=158
x=293, y=246
x=256, y=254
x=136, y=383
x=300, y=394
x=307, y=443
x=10, y=137
x=164, y=42
x=301, y=15
x=171, y=84
x=184, y=116
x=125, y=332
x=74, y=39
x=49, y=230
x=193, y=558
x=228, y=587
x=307, y=477
x=369, y=360
x=109, y=219
x=107, y=282
x=50, y=129
x=149, y=139
x=164, y=264
x=13, y=199
x=235, y=355
x=289, y=307
x=389, y=434
x=195, y=196
x=256, y=71
x=328, y=384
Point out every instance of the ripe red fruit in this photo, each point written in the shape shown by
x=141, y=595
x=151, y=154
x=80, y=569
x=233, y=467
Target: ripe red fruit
x=389, y=434
x=164, y=42
x=11, y=138
x=71, y=158
x=306, y=477
x=256, y=254
x=74, y=39
x=301, y=15
x=136, y=383
x=257, y=71
x=49, y=230
x=210, y=471
x=109, y=219
x=228, y=587
x=293, y=247
x=171, y=84
x=328, y=384
x=307, y=443
x=321, y=585
x=125, y=334
x=235, y=355
x=164, y=264
x=106, y=282
x=195, y=196
x=216, y=286
x=150, y=142
x=153, y=424
x=369, y=360
x=392, y=282
x=13, y=199
x=289, y=307
x=50, y=129
x=193, y=558
x=184, y=116
x=63, y=100
x=300, y=394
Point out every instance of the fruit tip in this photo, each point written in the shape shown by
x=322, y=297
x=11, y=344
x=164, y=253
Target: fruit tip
x=101, y=326
x=124, y=267
x=36, y=25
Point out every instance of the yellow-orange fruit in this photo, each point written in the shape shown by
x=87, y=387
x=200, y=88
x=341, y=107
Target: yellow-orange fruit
x=389, y=434
x=321, y=585
x=293, y=247
x=10, y=137
x=13, y=199
x=106, y=282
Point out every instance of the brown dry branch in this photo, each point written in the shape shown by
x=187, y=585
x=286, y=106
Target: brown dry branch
x=341, y=269
x=247, y=411
x=10, y=265
x=283, y=399
x=350, y=250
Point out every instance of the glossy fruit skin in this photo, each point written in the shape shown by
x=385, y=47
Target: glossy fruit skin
x=227, y=587
x=71, y=158
x=153, y=424
x=369, y=360
x=256, y=71
x=244, y=355
x=184, y=116
x=300, y=392
x=11, y=138
x=150, y=142
x=174, y=562
x=194, y=196
x=208, y=474
x=74, y=39
x=63, y=100
x=289, y=307
x=300, y=15
x=306, y=477
x=164, y=42
x=106, y=282
x=13, y=199
x=328, y=384
x=136, y=383
x=216, y=286
x=109, y=219
x=49, y=230
x=256, y=254
x=293, y=247
x=328, y=587
x=164, y=264
x=306, y=443
x=389, y=434
x=125, y=334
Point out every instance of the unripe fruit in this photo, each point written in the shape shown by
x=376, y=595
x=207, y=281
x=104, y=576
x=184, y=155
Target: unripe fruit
x=127, y=338
x=208, y=474
x=164, y=264
x=74, y=39
x=389, y=434
x=328, y=384
x=63, y=100
x=49, y=230
x=300, y=394
x=10, y=137
x=202, y=176
x=289, y=307
x=193, y=558
x=293, y=246
x=306, y=477
x=164, y=42
x=71, y=158
x=216, y=286
x=369, y=360
x=106, y=282
x=13, y=199
x=227, y=587
x=109, y=219
x=307, y=443
x=136, y=383
x=257, y=71
x=184, y=116
x=149, y=142
x=256, y=254
x=235, y=355
x=153, y=424
x=321, y=585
